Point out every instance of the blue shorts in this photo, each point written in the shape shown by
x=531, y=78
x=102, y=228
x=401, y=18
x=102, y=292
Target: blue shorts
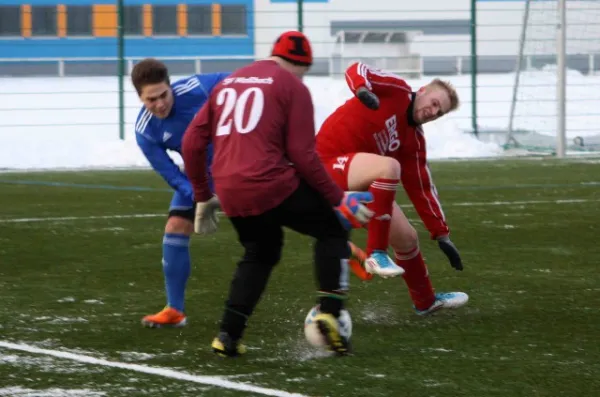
x=180, y=202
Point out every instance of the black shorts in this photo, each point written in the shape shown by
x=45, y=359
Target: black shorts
x=306, y=211
x=186, y=213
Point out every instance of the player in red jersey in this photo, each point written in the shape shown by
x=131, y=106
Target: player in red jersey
x=375, y=141
x=267, y=175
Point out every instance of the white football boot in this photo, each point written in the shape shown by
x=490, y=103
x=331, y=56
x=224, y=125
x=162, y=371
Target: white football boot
x=445, y=300
x=381, y=264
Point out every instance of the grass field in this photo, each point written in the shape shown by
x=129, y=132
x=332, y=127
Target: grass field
x=80, y=265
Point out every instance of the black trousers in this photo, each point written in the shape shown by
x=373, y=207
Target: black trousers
x=308, y=213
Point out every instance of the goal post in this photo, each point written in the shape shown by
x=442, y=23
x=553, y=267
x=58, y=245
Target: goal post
x=559, y=42
x=561, y=78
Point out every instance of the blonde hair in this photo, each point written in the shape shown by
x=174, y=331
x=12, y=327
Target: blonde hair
x=450, y=90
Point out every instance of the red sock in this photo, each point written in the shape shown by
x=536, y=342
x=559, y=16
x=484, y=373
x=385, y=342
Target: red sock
x=384, y=193
x=416, y=277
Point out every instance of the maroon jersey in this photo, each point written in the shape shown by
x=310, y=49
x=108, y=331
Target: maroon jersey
x=260, y=120
x=389, y=131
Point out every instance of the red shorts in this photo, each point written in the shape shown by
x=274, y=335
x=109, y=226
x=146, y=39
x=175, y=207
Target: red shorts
x=338, y=168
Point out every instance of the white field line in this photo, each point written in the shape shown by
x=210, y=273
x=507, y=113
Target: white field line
x=524, y=202
x=77, y=218
x=460, y=204
x=163, y=372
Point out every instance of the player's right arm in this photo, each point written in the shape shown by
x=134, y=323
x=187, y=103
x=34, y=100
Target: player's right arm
x=363, y=80
x=300, y=144
x=161, y=162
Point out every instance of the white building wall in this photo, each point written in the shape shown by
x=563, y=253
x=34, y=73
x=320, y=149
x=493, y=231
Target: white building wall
x=498, y=24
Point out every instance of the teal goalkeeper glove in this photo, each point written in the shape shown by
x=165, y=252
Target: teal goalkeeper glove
x=206, y=221
x=352, y=211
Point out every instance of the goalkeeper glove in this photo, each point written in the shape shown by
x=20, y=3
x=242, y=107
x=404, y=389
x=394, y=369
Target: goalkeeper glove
x=206, y=221
x=367, y=98
x=450, y=250
x=352, y=212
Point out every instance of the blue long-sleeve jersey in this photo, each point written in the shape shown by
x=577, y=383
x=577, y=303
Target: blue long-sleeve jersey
x=156, y=136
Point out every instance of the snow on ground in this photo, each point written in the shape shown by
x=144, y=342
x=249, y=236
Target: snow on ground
x=72, y=122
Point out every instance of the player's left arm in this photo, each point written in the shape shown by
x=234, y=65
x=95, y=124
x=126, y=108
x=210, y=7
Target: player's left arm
x=194, y=148
x=418, y=184
x=300, y=150
x=300, y=143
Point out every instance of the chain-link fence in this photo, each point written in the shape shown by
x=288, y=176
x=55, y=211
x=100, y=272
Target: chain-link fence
x=60, y=63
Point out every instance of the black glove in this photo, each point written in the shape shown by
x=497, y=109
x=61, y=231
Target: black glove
x=450, y=250
x=368, y=99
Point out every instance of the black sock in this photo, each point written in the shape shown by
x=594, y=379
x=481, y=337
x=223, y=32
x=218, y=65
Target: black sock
x=331, y=302
x=234, y=323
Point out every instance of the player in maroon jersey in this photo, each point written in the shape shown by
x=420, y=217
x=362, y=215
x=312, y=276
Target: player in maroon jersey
x=267, y=175
x=375, y=141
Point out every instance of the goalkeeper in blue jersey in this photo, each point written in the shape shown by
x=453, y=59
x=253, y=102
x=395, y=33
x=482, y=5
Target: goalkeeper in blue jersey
x=159, y=128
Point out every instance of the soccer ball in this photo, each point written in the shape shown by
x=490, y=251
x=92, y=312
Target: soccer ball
x=311, y=331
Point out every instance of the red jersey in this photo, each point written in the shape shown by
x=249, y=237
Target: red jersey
x=389, y=131
x=260, y=120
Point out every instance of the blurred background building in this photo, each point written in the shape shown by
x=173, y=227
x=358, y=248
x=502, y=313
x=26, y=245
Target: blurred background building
x=429, y=36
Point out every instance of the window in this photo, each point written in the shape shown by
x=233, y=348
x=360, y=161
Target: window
x=133, y=24
x=164, y=20
x=43, y=20
x=79, y=20
x=233, y=19
x=199, y=19
x=10, y=17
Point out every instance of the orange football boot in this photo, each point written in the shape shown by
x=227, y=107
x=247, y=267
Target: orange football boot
x=166, y=318
x=357, y=261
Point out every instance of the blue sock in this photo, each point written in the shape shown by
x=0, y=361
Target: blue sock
x=176, y=268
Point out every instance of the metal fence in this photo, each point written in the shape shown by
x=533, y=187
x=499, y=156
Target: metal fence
x=477, y=50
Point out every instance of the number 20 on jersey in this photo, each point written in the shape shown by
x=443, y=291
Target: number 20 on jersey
x=241, y=113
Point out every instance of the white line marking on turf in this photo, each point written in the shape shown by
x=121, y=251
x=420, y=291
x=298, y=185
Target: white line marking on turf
x=130, y=216
x=524, y=202
x=77, y=218
x=164, y=372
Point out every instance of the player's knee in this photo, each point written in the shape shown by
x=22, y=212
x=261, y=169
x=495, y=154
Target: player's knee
x=179, y=225
x=390, y=168
x=408, y=240
x=265, y=254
